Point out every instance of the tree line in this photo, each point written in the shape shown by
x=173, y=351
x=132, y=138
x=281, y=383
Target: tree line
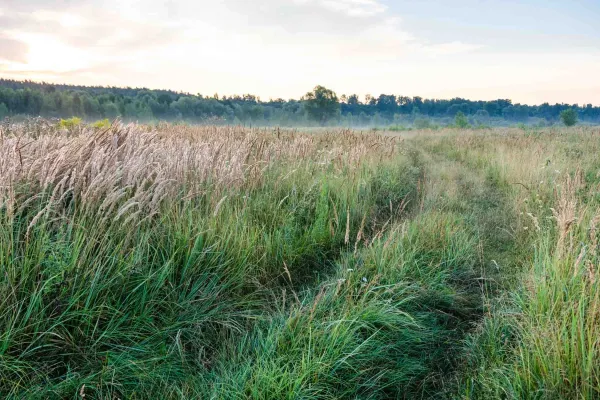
x=320, y=106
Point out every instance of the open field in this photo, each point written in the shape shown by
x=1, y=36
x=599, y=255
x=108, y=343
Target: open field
x=178, y=262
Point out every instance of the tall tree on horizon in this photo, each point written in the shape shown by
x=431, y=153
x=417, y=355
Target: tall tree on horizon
x=321, y=104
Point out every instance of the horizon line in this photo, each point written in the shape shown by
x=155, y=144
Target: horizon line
x=271, y=99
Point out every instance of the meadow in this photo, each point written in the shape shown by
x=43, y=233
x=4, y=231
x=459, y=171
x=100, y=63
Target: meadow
x=201, y=262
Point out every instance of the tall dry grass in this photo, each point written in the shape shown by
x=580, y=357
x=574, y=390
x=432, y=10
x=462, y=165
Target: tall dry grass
x=137, y=167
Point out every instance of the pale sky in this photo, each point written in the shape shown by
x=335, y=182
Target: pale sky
x=531, y=51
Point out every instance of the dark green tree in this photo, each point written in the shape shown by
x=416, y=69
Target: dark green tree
x=460, y=120
x=386, y=105
x=111, y=111
x=3, y=110
x=569, y=117
x=321, y=104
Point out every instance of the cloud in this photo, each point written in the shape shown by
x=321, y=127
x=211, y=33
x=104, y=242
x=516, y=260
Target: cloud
x=352, y=8
x=90, y=27
x=277, y=46
x=319, y=17
x=13, y=50
x=77, y=38
x=335, y=26
x=33, y=5
x=455, y=47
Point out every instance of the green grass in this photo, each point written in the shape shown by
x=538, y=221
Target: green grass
x=448, y=265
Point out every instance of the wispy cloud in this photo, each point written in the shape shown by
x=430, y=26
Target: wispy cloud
x=355, y=8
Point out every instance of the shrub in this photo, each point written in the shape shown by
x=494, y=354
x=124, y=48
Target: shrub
x=460, y=120
x=101, y=124
x=569, y=117
x=70, y=123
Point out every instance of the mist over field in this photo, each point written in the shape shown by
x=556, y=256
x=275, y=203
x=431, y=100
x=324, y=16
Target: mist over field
x=20, y=99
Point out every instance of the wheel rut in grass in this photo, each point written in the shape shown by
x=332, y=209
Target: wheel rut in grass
x=388, y=318
x=461, y=184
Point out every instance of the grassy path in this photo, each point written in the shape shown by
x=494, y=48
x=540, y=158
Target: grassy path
x=476, y=192
x=537, y=213
x=391, y=319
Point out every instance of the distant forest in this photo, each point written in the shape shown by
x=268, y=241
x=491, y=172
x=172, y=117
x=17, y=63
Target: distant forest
x=27, y=98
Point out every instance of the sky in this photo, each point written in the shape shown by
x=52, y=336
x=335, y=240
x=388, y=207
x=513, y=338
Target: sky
x=530, y=51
